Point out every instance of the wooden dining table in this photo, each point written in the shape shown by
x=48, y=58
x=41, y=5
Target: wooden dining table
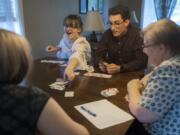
x=86, y=89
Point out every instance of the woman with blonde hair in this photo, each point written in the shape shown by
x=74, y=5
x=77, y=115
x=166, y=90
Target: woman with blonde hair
x=24, y=110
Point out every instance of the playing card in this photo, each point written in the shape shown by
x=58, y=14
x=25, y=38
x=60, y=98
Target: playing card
x=53, y=61
x=109, y=92
x=69, y=94
x=90, y=69
x=61, y=81
x=63, y=65
x=100, y=75
x=57, y=87
x=60, y=84
x=76, y=73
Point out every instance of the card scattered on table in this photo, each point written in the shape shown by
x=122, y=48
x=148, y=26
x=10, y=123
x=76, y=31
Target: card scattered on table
x=69, y=94
x=59, y=85
x=63, y=65
x=53, y=61
x=76, y=73
x=109, y=92
x=100, y=75
x=90, y=68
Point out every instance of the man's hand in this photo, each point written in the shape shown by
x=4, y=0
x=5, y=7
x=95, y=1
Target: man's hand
x=109, y=68
x=113, y=68
x=102, y=66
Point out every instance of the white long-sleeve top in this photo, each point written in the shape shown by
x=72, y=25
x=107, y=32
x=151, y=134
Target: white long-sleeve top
x=79, y=49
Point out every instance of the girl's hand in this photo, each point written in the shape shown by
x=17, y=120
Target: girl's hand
x=51, y=48
x=69, y=74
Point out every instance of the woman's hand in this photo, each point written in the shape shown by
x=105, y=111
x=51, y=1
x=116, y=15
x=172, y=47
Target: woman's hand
x=134, y=88
x=145, y=79
x=127, y=98
x=135, y=85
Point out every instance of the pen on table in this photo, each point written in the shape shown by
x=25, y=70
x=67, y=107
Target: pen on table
x=88, y=111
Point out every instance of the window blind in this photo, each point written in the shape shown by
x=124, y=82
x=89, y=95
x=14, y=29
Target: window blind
x=7, y=10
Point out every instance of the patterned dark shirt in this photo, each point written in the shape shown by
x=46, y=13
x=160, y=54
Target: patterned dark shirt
x=162, y=95
x=20, y=109
x=124, y=51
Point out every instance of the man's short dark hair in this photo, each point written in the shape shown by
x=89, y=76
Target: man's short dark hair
x=120, y=10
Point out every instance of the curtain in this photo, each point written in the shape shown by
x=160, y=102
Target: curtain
x=164, y=8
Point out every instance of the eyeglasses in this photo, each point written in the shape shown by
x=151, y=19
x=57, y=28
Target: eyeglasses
x=115, y=23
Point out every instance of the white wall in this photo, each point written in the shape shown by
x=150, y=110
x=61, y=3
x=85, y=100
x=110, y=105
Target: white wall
x=43, y=22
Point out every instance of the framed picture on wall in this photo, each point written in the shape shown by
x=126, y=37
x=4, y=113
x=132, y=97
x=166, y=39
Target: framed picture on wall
x=90, y=5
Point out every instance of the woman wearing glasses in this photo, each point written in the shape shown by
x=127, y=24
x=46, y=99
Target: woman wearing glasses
x=155, y=100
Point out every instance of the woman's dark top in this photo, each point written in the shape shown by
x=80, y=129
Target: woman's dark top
x=20, y=108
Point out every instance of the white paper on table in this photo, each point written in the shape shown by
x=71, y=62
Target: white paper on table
x=53, y=61
x=107, y=114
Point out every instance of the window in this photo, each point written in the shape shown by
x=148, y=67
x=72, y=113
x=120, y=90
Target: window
x=149, y=14
x=89, y=5
x=10, y=16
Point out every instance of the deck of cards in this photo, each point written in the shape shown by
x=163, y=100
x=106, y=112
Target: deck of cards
x=109, y=92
